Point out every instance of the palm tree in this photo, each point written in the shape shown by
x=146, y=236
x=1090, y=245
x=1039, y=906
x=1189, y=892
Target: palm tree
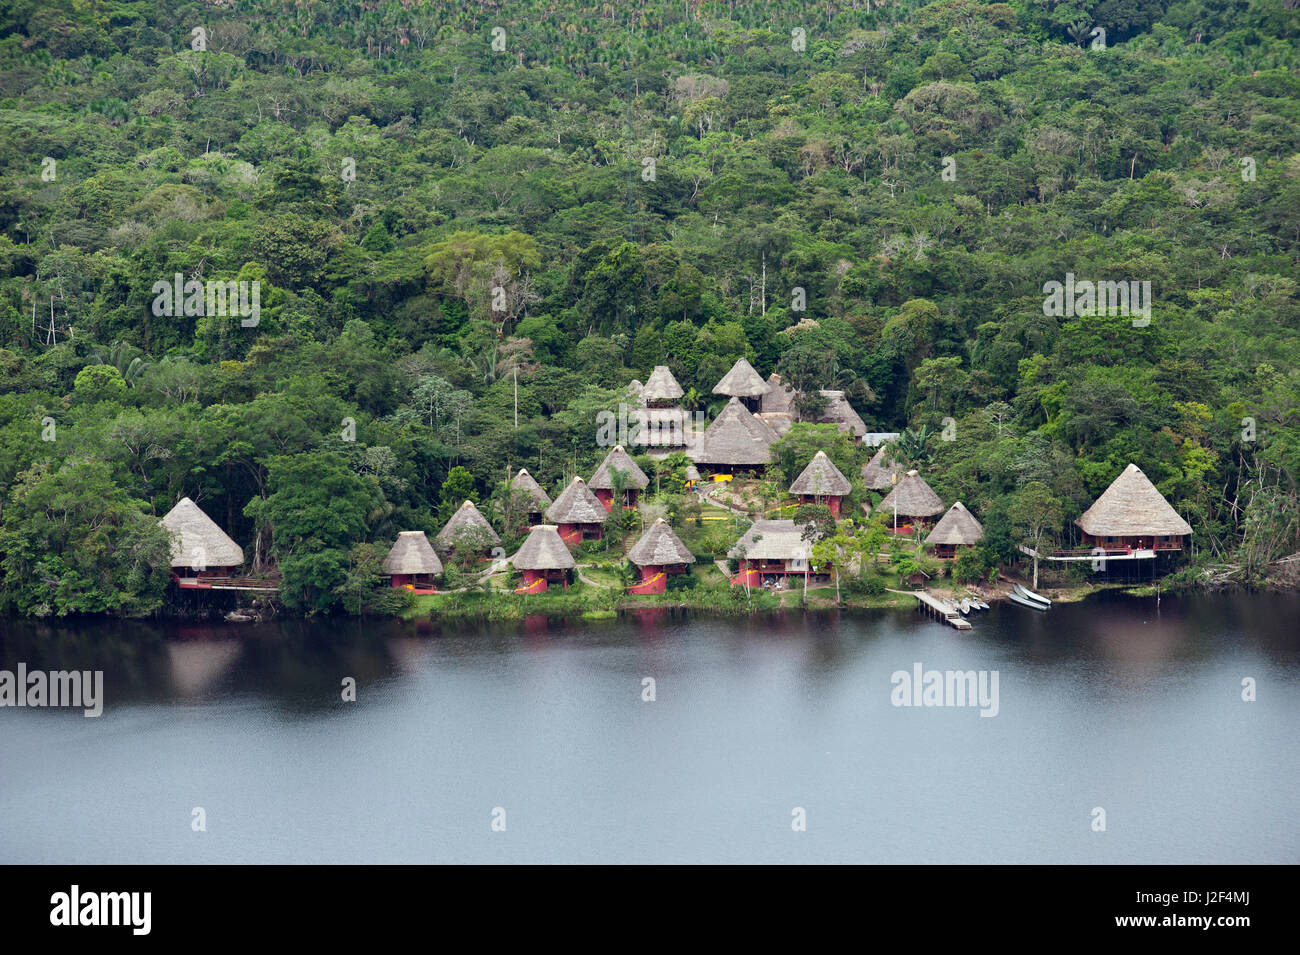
x=913, y=446
x=125, y=357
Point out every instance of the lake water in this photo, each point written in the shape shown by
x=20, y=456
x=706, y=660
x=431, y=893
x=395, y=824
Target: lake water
x=1110, y=704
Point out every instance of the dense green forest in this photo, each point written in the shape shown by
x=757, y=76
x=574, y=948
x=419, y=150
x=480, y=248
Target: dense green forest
x=457, y=209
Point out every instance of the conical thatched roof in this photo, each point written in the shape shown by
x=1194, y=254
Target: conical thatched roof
x=543, y=550
x=914, y=498
x=958, y=526
x=879, y=473
x=618, y=459
x=636, y=389
x=779, y=398
x=661, y=386
x=577, y=505
x=692, y=472
x=659, y=546
x=741, y=382
x=467, y=523
x=412, y=554
x=523, y=481
x=1132, y=505
x=821, y=477
x=736, y=437
x=840, y=413
x=196, y=538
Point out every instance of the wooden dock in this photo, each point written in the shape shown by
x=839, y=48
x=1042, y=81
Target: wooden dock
x=936, y=608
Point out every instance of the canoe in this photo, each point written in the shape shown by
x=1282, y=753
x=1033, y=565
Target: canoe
x=979, y=605
x=964, y=606
x=1015, y=598
x=1030, y=595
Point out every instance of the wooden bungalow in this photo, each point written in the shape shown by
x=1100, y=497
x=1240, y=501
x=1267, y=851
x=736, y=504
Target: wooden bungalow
x=771, y=551
x=662, y=425
x=538, y=499
x=577, y=513
x=657, y=554
x=412, y=563
x=468, y=530
x=744, y=383
x=542, y=560
x=958, y=528
x=912, y=505
x=199, y=548
x=821, y=482
x=735, y=441
x=882, y=472
x=602, y=482
x=1132, y=515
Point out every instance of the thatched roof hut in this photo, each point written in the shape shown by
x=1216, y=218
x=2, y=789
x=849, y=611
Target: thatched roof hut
x=821, y=478
x=741, y=382
x=412, y=554
x=525, y=482
x=660, y=547
x=1130, y=507
x=618, y=459
x=957, y=527
x=543, y=550
x=779, y=398
x=635, y=389
x=577, y=505
x=197, y=540
x=913, y=498
x=882, y=472
x=467, y=525
x=841, y=414
x=736, y=439
x=772, y=540
x=661, y=386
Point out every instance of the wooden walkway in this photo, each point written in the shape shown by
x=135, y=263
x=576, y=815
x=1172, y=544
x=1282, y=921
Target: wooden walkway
x=936, y=608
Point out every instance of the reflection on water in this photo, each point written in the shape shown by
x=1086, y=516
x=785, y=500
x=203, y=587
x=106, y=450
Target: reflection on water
x=1113, y=703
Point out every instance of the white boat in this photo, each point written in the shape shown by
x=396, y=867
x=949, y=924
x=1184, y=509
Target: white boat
x=1015, y=598
x=979, y=605
x=1030, y=595
x=964, y=606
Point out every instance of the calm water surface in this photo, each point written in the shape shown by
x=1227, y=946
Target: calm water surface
x=1110, y=703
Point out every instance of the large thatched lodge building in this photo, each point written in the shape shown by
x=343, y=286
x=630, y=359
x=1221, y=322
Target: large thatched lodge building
x=1131, y=515
x=200, y=549
x=735, y=441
